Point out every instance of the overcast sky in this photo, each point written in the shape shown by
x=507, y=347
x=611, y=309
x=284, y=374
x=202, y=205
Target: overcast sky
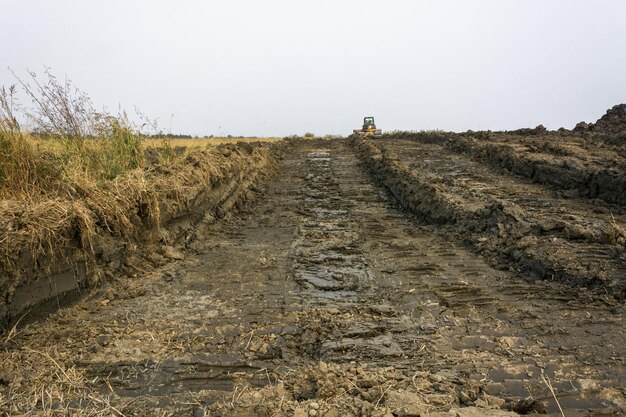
x=280, y=67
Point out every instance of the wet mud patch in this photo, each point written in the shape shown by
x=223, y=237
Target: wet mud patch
x=326, y=255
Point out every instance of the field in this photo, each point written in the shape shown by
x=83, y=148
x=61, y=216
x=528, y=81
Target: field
x=421, y=274
x=204, y=142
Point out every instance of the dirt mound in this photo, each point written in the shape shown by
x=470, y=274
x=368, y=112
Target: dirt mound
x=614, y=121
x=591, y=167
x=334, y=390
x=500, y=229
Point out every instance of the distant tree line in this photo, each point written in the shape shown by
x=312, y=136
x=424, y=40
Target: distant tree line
x=183, y=136
x=170, y=136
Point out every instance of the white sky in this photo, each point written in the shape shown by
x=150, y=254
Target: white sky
x=280, y=67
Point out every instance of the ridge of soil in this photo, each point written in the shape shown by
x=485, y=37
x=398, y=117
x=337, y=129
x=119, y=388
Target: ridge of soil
x=585, y=166
x=510, y=221
x=82, y=243
x=613, y=121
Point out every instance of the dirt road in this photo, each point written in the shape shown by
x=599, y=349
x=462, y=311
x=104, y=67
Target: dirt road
x=323, y=298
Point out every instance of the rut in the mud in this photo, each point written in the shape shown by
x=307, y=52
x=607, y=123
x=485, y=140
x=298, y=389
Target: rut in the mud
x=326, y=255
x=323, y=299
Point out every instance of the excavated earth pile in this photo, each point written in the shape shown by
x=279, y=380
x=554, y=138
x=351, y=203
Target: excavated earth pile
x=578, y=166
x=614, y=121
x=323, y=297
x=515, y=222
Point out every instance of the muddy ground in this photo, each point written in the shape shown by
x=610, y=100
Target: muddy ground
x=327, y=297
x=551, y=230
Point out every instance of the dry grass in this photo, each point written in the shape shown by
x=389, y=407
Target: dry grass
x=83, y=174
x=43, y=386
x=82, y=208
x=203, y=142
x=57, y=187
x=73, y=144
x=42, y=381
x=616, y=233
x=54, y=146
x=77, y=185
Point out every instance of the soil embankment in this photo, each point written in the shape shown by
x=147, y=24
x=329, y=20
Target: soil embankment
x=55, y=249
x=512, y=221
x=576, y=165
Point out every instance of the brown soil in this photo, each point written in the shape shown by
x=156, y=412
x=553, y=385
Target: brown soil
x=511, y=220
x=614, y=121
x=577, y=166
x=323, y=298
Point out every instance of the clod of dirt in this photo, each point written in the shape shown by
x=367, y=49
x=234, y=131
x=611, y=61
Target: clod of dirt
x=582, y=127
x=481, y=412
x=614, y=121
x=526, y=406
x=406, y=404
x=102, y=340
x=172, y=253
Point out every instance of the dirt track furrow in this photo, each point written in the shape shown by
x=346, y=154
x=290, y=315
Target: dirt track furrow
x=587, y=167
x=508, y=219
x=479, y=184
x=323, y=298
x=326, y=253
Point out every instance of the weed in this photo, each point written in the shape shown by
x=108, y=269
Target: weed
x=59, y=109
x=118, y=148
x=167, y=153
x=616, y=234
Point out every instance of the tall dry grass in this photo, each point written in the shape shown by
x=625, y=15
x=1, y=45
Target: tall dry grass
x=78, y=172
x=75, y=145
x=24, y=170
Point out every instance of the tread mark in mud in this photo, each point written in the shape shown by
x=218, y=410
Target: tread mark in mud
x=328, y=263
x=326, y=254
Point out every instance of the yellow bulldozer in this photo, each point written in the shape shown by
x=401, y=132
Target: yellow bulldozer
x=369, y=129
